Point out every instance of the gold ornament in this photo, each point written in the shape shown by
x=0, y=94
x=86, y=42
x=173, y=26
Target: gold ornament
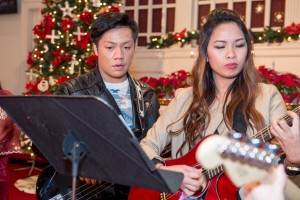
x=67, y=38
x=278, y=17
x=203, y=20
x=259, y=8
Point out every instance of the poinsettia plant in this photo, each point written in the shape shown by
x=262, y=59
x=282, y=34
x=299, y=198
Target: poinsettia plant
x=288, y=84
x=166, y=86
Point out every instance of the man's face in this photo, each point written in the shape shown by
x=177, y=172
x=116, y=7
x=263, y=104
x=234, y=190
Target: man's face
x=115, y=52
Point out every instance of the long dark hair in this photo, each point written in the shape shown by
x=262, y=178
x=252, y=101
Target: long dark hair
x=244, y=90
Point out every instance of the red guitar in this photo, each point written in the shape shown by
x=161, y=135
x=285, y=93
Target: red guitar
x=215, y=178
x=218, y=185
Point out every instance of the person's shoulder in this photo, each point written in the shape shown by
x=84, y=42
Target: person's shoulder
x=267, y=87
x=182, y=92
x=140, y=83
x=78, y=83
x=183, y=95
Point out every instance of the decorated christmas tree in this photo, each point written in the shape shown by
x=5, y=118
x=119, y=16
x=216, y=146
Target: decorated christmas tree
x=62, y=46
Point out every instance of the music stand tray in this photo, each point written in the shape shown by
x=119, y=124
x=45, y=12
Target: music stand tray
x=110, y=151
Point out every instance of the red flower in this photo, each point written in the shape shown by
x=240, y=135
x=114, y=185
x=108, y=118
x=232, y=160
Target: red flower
x=180, y=35
x=92, y=60
x=84, y=41
x=62, y=79
x=166, y=86
x=66, y=56
x=287, y=84
x=289, y=81
x=45, y=27
x=67, y=23
x=32, y=88
x=56, y=61
x=161, y=95
x=292, y=29
x=87, y=17
x=114, y=8
x=286, y=98
x=30, y=60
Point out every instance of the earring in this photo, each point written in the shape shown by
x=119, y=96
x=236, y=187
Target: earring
x=206, y=58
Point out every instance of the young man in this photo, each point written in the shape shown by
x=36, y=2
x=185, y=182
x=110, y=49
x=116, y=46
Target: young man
x=114, y=37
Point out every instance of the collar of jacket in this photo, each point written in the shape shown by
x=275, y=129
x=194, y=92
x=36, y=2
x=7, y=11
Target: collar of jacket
x=106, y=95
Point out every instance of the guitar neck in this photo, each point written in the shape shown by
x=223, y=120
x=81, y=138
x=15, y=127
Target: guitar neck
x=265, y=134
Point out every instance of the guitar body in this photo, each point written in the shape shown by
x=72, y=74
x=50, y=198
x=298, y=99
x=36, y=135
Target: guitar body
x=52, y=185
x=219, y=187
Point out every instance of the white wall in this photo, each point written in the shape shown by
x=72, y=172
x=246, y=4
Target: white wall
x=284, y=57
x=11, y=61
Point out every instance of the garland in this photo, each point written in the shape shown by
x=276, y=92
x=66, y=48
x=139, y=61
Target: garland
x=270, y=35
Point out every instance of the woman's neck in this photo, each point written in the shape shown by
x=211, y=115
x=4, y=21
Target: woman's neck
x=222, y=88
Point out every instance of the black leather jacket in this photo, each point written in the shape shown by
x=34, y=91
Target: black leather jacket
x=145, y=109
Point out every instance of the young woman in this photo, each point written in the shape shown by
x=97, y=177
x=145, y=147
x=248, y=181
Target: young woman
x=225, y=95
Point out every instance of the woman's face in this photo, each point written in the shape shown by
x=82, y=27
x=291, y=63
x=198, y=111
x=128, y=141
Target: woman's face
x=227, y=51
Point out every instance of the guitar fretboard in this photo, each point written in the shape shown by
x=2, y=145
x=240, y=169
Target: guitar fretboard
x=265, y=135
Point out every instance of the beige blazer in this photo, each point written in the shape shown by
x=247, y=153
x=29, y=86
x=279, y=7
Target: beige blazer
x=270, y=104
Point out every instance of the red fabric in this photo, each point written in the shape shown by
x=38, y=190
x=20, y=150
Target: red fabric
x=9, y=143
x=13, y=176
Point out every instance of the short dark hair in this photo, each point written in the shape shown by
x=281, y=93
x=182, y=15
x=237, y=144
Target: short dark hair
x=110, y=21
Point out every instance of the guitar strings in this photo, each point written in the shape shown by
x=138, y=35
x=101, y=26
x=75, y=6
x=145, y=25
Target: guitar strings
x=102, y=188
x=266, y=131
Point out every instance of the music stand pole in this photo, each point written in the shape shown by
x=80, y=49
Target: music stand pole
x=74, y=150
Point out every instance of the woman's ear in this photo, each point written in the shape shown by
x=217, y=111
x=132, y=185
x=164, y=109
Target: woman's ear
x=95, y=49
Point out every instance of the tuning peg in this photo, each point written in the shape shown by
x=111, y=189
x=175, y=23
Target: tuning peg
x=273, y=148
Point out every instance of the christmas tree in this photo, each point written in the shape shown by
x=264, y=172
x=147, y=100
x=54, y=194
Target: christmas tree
x=62, y=46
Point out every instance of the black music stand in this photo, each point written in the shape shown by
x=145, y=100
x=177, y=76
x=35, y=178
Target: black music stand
x=89, y=132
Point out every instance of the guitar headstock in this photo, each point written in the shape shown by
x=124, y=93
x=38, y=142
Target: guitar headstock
x=250, y=151
x=245, y=160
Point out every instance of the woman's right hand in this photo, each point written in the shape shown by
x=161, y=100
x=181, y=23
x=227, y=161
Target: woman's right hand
x=89, y=180
x=193, y=180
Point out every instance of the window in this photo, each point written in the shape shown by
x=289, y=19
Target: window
x=154, y=17
x=257, y=14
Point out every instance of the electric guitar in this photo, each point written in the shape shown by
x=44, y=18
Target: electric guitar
x=54, y=186
x=245, y=160
x=218, y=184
